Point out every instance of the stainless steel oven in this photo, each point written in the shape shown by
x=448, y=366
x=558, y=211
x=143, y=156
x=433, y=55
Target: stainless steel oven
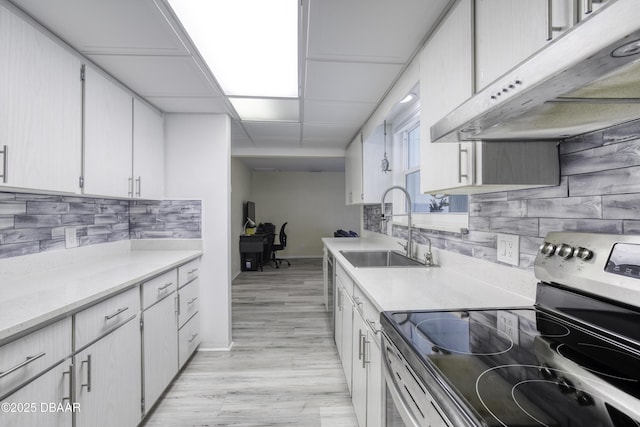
x=572, y=359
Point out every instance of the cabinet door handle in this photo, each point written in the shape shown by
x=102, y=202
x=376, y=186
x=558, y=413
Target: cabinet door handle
x=194, y=299
x=193, y=337
x=27, y=361
x=365, y=343
x=549, y=20
x=120, y=311
x=5, y=163
x=360, y=351
x=139, y=182
x=88, y=363
x=460, y=174
x=589, y=7
x=70, y=373
x=130, y=192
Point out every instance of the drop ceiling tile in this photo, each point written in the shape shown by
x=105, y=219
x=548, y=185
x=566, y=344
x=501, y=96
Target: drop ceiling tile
x=158, y=76
x=336, y=112
x=113, y=26
x=349, y=81
x=273, y=134
x=327, y=136
x=369, y=30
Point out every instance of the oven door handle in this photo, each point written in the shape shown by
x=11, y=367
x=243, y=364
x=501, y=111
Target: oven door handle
x=396, y=393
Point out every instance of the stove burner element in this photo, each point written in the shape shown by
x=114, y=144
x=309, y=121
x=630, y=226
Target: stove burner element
x=451, y=335
x=600, y=353
x=551, y=329
x=536, y=388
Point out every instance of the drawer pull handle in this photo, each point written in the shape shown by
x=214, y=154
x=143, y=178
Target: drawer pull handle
x=372, y=326
x=120, y=311
x=195, y=270
x=88, y=384
x=28, y=360
x=193, y=337
x=165, y=287
x=192, y=300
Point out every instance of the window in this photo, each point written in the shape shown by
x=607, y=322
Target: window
x=425, y=203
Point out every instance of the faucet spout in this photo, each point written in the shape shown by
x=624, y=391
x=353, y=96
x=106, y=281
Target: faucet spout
x=409, y=223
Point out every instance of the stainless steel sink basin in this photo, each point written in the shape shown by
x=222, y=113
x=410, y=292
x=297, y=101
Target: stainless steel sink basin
x=379, y=258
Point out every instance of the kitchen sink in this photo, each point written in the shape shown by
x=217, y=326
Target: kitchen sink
x=379, y=258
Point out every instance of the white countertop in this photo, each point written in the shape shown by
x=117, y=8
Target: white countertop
x=461, y=282
x=38, y=288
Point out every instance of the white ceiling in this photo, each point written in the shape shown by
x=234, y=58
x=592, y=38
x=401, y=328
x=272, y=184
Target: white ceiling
x=351, y=51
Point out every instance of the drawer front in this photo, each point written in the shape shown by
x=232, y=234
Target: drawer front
x=189, y=297
x=100, y=318
x=188, y=272
x=157, y=289
x=188, y=339
x=26, y=357
x=345, y=279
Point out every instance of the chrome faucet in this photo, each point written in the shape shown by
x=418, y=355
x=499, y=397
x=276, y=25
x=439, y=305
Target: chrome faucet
x=409, y=246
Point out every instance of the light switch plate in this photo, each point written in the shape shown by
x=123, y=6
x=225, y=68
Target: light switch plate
x=70, y=237
x=509, y=249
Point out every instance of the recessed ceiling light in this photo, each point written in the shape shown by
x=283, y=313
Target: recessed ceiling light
x=251, y=46
x=410, y=97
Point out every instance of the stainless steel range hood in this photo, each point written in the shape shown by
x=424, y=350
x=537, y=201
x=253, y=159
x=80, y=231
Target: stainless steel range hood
x=586, y=80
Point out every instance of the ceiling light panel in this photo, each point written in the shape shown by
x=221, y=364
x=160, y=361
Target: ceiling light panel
x=251, y=46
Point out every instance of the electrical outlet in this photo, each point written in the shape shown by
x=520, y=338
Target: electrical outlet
x=70, y=237
x=508, y=323
x=508, y=249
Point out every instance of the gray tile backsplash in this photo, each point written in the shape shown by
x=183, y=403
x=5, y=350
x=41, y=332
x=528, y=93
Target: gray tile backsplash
x=599, y=192
x=32, y=223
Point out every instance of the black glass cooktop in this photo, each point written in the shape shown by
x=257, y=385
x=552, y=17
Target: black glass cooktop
x=529, y=366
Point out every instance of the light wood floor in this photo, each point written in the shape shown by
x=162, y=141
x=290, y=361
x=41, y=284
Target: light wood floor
x=283, y=369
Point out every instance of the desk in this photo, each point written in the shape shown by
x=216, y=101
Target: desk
x=254, y=249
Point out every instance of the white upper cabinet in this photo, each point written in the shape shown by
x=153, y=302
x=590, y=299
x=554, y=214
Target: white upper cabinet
x=40, y=109
x=108, y=137
x=353, y=172
x=508, y=32
x=148, y=152
x=446, y=80
x=365, y=179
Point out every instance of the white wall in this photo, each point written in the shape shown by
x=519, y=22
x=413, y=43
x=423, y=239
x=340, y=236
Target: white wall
x=198, y=166
x=311, y=202
x=241, y=191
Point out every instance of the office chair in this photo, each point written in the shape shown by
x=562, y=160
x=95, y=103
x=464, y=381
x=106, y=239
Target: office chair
x=279, y=247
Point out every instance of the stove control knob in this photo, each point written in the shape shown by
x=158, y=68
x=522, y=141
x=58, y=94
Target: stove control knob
x=565, y=251
x=583, y=398
x=547, y=249
x=584, y=253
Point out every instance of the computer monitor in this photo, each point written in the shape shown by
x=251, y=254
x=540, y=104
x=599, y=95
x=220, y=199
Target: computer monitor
x=249, y=212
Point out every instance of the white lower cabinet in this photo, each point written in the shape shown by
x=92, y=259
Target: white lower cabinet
x=108, y=379
x=358, y=343
x=188, y=308
x=346, y=334
x=35, y=378
x=368, y=392
x=159, y=335
x=108, y=363
x=188, y=339
x=43, y=402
